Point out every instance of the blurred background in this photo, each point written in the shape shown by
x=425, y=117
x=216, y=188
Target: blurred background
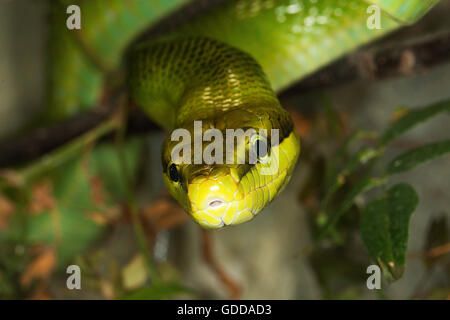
x=276, y=256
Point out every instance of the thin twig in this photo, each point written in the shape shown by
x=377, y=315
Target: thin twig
x=433, y=252
x=233, y=288
x=128, y=180
x=438, y=251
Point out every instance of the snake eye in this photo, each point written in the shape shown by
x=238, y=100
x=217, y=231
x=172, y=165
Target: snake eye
x=260, y=149
x=173, y=173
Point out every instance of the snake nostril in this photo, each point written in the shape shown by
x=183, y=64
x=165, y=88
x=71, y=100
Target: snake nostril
x=216, y=203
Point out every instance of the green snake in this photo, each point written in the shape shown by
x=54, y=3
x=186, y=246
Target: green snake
x=222, y=66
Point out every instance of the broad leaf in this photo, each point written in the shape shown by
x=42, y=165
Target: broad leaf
x=402, y=200
x=384, y=228
x=86, y=192
x=412, y=119
x=375, y=230
x=418, y=156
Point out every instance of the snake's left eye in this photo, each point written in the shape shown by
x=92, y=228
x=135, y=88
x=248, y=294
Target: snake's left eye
x=260, y=149
x=173, y=173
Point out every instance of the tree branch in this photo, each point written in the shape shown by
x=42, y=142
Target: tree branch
x=370, y=64
x=33, y=145
x=378, y=63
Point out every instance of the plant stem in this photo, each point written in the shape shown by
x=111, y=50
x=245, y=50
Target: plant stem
x=64, y=153
x=363, y=186
x=61, y=155
x=131, y=199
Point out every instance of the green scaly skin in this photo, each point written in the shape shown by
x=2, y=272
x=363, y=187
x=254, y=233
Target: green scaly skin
x=222, y=67
x=74, y=83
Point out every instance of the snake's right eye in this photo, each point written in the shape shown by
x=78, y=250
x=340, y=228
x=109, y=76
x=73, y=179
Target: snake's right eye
x=173, y=173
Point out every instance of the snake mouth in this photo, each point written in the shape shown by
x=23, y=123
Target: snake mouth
x=216, y=203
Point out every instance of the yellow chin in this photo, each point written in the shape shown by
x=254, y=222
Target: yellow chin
x=216, y=202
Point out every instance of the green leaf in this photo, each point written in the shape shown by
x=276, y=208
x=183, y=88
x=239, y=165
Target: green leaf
x=361, y=158
x=363, y=185
x=402, y=200
x=69, y=225
x=384, y=228
x=412, y=119
x=157, y=292
x=375, y=230
x=107, y=165
x=415, y=157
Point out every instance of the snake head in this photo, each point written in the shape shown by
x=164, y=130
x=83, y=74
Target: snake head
x=222, y=192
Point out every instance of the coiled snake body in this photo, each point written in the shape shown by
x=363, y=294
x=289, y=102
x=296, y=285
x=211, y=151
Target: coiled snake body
x=222, y=67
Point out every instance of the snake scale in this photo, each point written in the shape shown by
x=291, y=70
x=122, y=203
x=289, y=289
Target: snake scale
x=222, y=66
